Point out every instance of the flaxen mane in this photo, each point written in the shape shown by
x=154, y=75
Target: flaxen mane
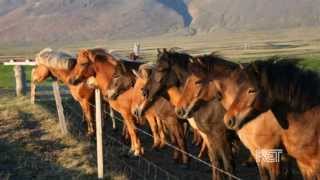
x=286, y=82
x=55, y=59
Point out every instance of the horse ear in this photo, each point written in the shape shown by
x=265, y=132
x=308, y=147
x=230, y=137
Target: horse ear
x=136, y=73
x=199, y=60
x=165, y=50
x=191, y=60
x=123, y=67
x=241, y=66
x=95, y=54
x=159, y=51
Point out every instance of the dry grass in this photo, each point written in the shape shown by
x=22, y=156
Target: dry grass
x=32, y=147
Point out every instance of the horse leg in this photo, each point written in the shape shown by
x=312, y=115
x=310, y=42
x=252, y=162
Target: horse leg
x=153, y=125
x=85, y=105
x=179, y=135
x=135, y=141
x=213, y=156
x=225, y=154
x=263, y=171
x=202, y=150
x=114, y=127
x=161, y=130
x=174, y=142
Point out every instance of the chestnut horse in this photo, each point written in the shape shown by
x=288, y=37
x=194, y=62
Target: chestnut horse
x=98, y=63
x=293, y=95
x=212, y=78
x=80, y=92
x=167, y=79
x=160, y=115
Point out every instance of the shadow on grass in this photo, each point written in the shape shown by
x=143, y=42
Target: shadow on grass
x=25, y=152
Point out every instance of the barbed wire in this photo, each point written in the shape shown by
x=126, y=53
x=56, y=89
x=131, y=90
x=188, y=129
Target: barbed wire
x=140, y=158
x=178, y=149
x=167, y=143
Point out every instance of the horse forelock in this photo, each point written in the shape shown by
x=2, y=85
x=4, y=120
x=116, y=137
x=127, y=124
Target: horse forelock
x=287, y=83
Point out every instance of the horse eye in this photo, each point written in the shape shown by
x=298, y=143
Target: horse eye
x=251, y=91
x=200, y=82
x=85, y=64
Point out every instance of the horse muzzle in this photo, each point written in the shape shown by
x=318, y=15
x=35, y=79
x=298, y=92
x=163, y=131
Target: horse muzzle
x=182, y=113
x=74, y=81
x=111, y=94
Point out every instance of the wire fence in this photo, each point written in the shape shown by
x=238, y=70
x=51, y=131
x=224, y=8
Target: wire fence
x=116, y=152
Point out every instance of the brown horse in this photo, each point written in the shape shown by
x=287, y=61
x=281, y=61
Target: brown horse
x=98, y=63
x=293, y=95
x=81, y=92
x=162, y=118
x=212, y=78
x=167, y=79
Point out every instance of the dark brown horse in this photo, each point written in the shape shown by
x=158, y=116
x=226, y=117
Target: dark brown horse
x=98, y=63
x=160, y=116
x=81, y=92
x=166, y=80
x=212, y=78
x=293, y=95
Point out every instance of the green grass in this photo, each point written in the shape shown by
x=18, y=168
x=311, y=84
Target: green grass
x=7, y=79
x=312, y=62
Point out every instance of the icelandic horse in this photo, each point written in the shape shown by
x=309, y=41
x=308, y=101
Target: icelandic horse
x=160, y=116
x=166, y=80
x=293, y=95
x=58, y=65
x=102, y=65
x=213, y=77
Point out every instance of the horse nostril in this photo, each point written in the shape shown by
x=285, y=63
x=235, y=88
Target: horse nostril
x=180, y=112
x=145, y=92
x=136, y=113
x=71, y=81
x=232, y=122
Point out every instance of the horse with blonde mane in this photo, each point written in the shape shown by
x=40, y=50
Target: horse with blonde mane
x=58, y=65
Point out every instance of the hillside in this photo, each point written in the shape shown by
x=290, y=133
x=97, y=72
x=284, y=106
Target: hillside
x=74, y=20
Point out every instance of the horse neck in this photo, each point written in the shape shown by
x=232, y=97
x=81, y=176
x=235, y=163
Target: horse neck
x=62, y=75
x=227, y=85
x=104, y=72
x=174, y=95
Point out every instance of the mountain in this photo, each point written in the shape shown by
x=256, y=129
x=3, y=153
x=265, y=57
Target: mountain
x=75, y=20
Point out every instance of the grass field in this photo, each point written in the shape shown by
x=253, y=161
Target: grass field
x=32, y=146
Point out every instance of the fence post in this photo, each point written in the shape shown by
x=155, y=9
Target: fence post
x=136, y=49
x=32, y=89
x=57, y=97
x=20, y=80
x=99, y=134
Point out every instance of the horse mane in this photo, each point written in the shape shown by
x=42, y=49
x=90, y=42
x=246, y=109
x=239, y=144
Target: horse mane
x=286, y=82
x=180, y=59
x=55, y=59
x=214, y=63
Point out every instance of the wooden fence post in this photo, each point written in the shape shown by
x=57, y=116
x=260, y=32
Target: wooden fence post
x=136, y=49
x=33, y=92
x=20, y=80
x=32, y=89
x=57, y=97
x=99, y=134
